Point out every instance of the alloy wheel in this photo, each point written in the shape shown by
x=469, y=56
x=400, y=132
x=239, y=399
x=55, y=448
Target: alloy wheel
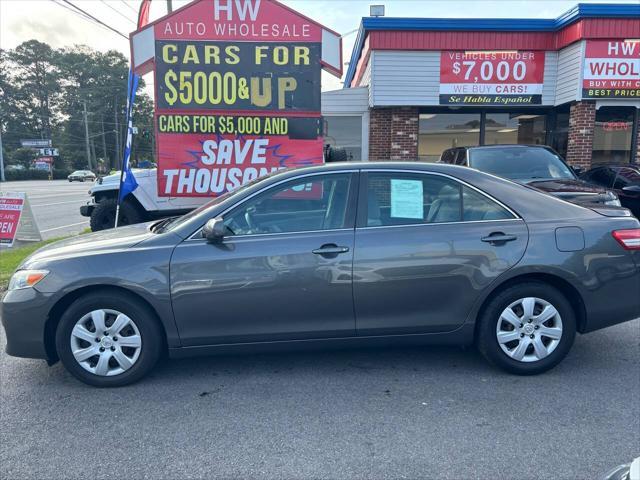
x=529, y=329
x=106, y=342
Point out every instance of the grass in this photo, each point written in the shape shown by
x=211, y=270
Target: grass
x=10, y=258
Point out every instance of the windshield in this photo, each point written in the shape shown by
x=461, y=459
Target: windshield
x=522, y=164
x=175, y=222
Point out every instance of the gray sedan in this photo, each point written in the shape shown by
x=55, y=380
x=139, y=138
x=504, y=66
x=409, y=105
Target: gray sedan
x=360, y=254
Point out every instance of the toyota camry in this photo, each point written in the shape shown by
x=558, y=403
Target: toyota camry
x=350, y=254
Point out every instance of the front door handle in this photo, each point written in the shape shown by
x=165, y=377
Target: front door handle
x=330, y=249
x=498, y=238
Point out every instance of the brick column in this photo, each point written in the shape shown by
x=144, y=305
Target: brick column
x=393, y=134
x=582, y=119
x=404, y=133
x=379, y=134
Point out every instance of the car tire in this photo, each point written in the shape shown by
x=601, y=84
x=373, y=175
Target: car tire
x=525, y=344
x=103, y=215
x=142, y=323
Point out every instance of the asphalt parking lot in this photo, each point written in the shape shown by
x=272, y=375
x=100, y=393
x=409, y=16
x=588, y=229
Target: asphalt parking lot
x=55, y=204
x=409, y=413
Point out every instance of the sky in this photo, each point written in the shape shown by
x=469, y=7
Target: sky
x=49, y=21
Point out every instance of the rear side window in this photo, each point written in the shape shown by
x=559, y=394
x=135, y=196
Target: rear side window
x=627, y=177
x=603, y=177
x=413, y=199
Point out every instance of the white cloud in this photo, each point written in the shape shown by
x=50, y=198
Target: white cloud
x=48, y=21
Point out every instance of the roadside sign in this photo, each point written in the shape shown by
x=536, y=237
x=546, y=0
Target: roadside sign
x=49, y=152
x=16, y=219
x=238, y=95
x=36, y=143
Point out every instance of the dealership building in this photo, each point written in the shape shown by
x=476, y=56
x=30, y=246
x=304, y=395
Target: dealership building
x=417, y=86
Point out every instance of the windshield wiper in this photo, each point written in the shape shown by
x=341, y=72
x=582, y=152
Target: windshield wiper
x=162, y=225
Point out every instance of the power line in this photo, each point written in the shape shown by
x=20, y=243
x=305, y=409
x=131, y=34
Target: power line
x=129, y=7
x=118, y=12
x=81, y=15
x=96, y=19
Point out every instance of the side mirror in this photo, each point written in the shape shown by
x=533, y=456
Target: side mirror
x=214, y=230
x=578, y=170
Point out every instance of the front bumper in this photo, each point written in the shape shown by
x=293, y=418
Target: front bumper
x=24, y=315
x=87, y=210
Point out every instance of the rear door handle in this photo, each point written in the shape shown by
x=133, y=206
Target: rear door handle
x=498, y=238
x=330, y=249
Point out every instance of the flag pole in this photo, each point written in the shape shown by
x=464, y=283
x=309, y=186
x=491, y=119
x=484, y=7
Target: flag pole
x=132, y=86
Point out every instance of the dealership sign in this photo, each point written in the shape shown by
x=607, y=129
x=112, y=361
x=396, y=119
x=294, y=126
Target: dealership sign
x=237, y=86
x=611, y=69
x=16, y=219
x=491, y=78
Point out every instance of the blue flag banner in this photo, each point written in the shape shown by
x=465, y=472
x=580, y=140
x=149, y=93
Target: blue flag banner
x=128, y=181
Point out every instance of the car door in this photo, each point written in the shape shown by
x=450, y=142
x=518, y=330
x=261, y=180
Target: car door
x=283, y=272
x=426, y=246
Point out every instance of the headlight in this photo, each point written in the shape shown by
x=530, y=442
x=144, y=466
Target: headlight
x=26, y=278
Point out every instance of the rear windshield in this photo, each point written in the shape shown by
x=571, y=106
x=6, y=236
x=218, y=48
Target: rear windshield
x=521, y=164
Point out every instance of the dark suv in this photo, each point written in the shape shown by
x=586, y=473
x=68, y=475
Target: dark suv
x=534, y=165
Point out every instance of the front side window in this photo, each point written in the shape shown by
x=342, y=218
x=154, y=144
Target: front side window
x=601, y=176
x=413, y=199
x=627, y=177
x=302, y=205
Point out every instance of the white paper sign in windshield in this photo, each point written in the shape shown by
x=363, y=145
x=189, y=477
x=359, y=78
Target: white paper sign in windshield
x=406, y=199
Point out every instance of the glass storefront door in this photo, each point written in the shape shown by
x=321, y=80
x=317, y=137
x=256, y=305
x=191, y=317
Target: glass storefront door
x=613, y=134
x=514, y=128
x=439, y=131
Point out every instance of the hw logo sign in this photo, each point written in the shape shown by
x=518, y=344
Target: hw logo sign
x=240, y=7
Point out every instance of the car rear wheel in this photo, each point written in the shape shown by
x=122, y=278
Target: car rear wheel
x=527, y=329
x=107, y=339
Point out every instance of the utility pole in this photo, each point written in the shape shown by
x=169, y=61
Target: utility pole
x=86, y=132
x=118, y=156
x=1, y=159
x=107, y=164
x=169, y=6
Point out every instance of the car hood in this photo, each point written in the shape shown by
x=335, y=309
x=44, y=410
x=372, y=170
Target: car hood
x=105, y=241
x=137, y=172
x=573, y=190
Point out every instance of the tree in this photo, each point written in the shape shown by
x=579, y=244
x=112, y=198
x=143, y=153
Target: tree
x=43, y=92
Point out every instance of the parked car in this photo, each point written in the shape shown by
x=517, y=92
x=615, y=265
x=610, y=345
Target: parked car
x=624, y=180
x=629, y=471
x=346, y=254
x=534, y=165
x=81, y=176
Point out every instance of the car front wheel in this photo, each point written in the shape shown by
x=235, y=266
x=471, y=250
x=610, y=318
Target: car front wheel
x=107, y=339
x=527, y=329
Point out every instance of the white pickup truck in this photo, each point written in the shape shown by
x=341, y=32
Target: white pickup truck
x=144, y=204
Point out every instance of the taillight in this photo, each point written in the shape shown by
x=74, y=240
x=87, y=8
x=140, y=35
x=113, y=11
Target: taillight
x=629, y=239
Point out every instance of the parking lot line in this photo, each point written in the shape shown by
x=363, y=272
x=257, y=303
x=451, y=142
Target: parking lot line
x=64, y=226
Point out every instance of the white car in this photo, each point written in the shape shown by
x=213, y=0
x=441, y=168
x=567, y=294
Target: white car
x=81, y=176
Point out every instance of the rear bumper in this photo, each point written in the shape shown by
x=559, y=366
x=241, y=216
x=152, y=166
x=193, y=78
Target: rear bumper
x=24, y=315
